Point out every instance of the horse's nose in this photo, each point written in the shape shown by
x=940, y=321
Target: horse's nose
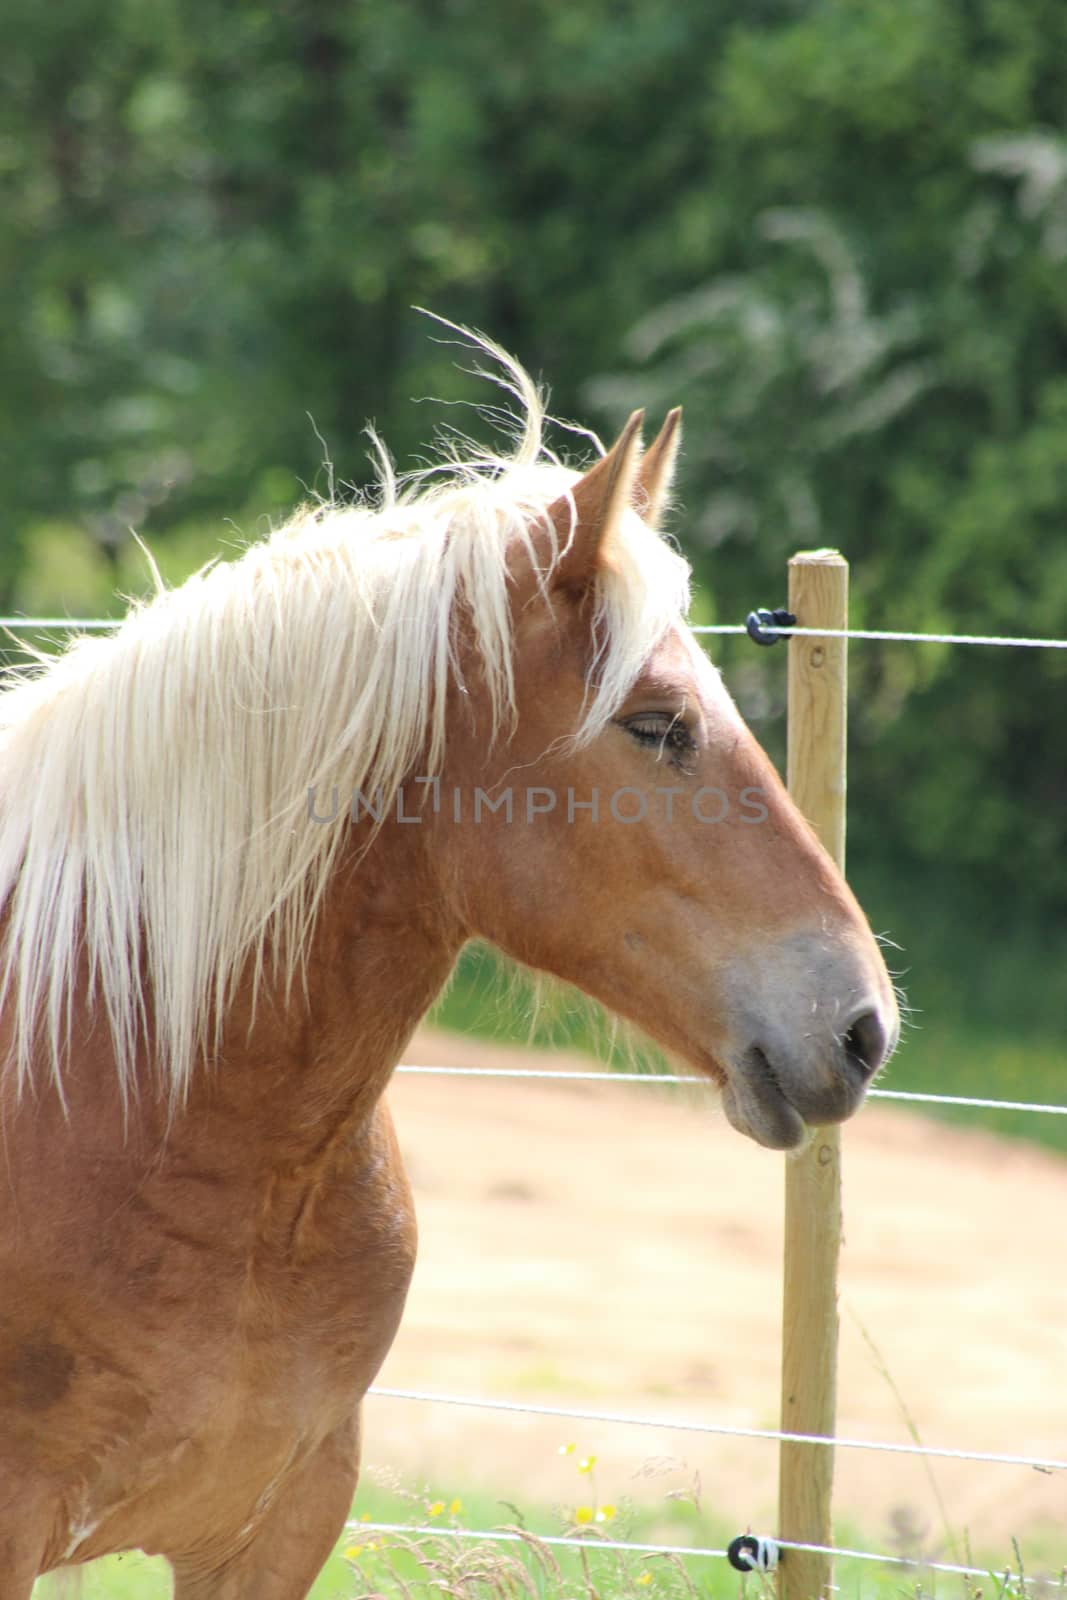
x=867, y=1043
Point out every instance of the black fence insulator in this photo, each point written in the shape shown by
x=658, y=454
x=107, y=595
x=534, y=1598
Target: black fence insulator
x=751, y=1552
x=763, y=625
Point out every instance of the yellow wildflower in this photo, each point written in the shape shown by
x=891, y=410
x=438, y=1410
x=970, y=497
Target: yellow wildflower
x=587, y=1463
x=436, y=1508
x=606, y=1514
x=643, y=1578
x=584, y=1514
x=456, y=1507
x=567, y=1449
x=354, y=1551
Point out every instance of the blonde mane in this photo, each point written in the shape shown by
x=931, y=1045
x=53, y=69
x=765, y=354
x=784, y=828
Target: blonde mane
x=154, y=781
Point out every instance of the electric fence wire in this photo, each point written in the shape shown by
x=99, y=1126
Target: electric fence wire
x=527, y=1538
x=1044, y=1464
x=706, y=1083
x=885, y=635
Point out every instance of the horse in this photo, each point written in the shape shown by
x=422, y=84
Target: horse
x=244, y=837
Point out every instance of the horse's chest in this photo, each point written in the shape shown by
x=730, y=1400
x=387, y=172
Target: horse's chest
x=321, y=1305
x=185, y=1336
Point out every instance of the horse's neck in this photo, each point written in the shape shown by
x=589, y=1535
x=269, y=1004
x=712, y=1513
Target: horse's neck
x=317, y=1054
x=302, y=1068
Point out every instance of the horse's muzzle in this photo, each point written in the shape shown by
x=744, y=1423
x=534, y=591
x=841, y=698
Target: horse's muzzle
x=775, y=1099
x=813, y=1022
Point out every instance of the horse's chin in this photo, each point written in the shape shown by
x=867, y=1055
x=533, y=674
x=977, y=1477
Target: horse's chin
x=756, y=1106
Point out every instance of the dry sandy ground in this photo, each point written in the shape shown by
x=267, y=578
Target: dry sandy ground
x=618, y=1248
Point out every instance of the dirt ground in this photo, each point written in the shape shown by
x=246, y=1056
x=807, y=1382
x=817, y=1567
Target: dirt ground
x=617, y=1248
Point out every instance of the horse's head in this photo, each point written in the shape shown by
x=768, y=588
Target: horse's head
x=633, y=838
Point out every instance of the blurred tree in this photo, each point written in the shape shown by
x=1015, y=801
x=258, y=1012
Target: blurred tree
x=218, y=219
x=879, y=361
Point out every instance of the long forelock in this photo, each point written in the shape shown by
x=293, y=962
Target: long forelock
x=155, y=783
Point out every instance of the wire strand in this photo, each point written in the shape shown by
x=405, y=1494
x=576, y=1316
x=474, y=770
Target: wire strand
x=526, y=1537
x=506, y=1535
x=889, y=636
x=1038, y=1463
x=69, y=624
x=966, y=1100
x=706, y=1083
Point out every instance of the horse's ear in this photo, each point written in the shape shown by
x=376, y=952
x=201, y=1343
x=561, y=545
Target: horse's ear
x=656, y=471
x=587, y=517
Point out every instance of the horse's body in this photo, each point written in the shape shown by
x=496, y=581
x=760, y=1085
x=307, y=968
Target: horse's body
x=207, y=1235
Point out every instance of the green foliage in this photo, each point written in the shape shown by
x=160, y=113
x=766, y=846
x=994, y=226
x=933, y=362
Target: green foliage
x=874, y=360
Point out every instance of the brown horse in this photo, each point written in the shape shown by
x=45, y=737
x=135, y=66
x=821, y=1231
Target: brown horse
x=242, y=841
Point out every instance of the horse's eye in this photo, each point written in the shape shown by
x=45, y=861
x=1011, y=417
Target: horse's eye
x=661, y=729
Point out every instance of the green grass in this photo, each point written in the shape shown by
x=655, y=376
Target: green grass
x=424, y=1567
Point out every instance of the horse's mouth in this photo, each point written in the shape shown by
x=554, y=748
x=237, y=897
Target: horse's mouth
x=757, y=1105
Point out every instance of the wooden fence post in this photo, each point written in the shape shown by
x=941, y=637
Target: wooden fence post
x=818, y=597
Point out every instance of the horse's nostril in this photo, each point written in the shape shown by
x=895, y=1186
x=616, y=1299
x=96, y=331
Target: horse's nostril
x=865, y=1043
